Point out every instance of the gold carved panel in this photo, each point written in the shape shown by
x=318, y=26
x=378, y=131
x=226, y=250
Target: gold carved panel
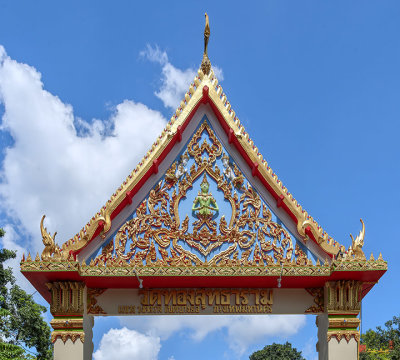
x=244, y=235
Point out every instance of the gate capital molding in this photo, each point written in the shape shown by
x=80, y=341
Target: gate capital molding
x=343, y=296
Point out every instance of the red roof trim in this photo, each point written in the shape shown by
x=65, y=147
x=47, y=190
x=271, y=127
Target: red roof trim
x=39, y=279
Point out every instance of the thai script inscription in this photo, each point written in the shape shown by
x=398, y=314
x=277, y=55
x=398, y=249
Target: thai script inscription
x=198, y=301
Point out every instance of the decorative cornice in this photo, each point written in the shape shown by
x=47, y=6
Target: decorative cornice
x=124, y=269
x=65, y=335
x=66, y=297
x=347, y=334
x=343, y=296
x=344, y=323
x=66, y=323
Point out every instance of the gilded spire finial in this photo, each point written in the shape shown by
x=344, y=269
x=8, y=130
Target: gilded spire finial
x=206, y=34
x=206, y=64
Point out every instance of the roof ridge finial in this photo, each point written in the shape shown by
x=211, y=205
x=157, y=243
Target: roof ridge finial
x=206, y=64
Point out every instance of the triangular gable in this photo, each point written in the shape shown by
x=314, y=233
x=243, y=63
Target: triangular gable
x=203, y=212
x=287, y=244
x=207, y=94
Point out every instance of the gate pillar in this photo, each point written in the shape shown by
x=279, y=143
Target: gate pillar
x=72, y=335
x=338, y=327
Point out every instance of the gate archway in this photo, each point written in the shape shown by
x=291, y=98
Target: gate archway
x=203, y=226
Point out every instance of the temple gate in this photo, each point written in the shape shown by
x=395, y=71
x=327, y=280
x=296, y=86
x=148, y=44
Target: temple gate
x=203, y=225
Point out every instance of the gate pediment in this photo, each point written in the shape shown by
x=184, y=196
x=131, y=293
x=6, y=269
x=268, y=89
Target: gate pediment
x=202, y=209
x=203, y=212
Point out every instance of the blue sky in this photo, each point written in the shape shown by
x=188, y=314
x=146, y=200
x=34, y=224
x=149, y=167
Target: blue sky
x=316, y=84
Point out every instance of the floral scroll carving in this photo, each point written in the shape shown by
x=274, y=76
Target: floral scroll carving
x=157, y=236
x=318, y=295
x=92, y=306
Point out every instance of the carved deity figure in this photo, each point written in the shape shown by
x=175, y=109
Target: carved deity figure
x=228, y=172
x=181, y=170
x=232, y=174
x=204, y=203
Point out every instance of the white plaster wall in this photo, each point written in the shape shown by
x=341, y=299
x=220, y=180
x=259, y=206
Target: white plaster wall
x=69, y=350
x=343, y=350
x=285, y=301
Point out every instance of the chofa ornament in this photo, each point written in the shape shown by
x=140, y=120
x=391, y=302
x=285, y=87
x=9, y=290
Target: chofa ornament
x=355, y=250
x=50, y=247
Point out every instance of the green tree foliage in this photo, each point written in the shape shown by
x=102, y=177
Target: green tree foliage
x=277, y=352
x=382, y=343
x=21, y=322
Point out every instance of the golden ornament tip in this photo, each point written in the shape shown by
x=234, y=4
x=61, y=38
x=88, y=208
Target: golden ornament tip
x=206, y=64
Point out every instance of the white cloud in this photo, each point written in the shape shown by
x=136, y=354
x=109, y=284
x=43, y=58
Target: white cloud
x=52, y=169
x=309, y=349
x=218, y=73
x=247, y=330
x=174, y=82
x=128, y=344
x=242, y=330
x=154, y=54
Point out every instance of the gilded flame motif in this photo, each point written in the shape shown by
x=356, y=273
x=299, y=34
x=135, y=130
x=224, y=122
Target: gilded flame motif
x=206, y=64
x=157, y=236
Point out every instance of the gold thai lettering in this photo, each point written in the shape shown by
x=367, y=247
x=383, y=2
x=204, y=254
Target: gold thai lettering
x=188, y=301
x=126, y=309
x=149, y=309
x=155, y=296
x=225, y=297
x=242, y=309
x=181, y=297
x=168, y=296
x=244, y=297
x=213, y=296
x=201, y=298
x=266, y=297
x=145, y=297
x=190, y=297
x=170, y=309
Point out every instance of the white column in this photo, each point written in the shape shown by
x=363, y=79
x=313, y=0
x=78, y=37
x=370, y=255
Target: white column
x=338, y=337
x=68, y=350
x=88, y=322
x=322, y=344
x=338, y=327
x=72, y=335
